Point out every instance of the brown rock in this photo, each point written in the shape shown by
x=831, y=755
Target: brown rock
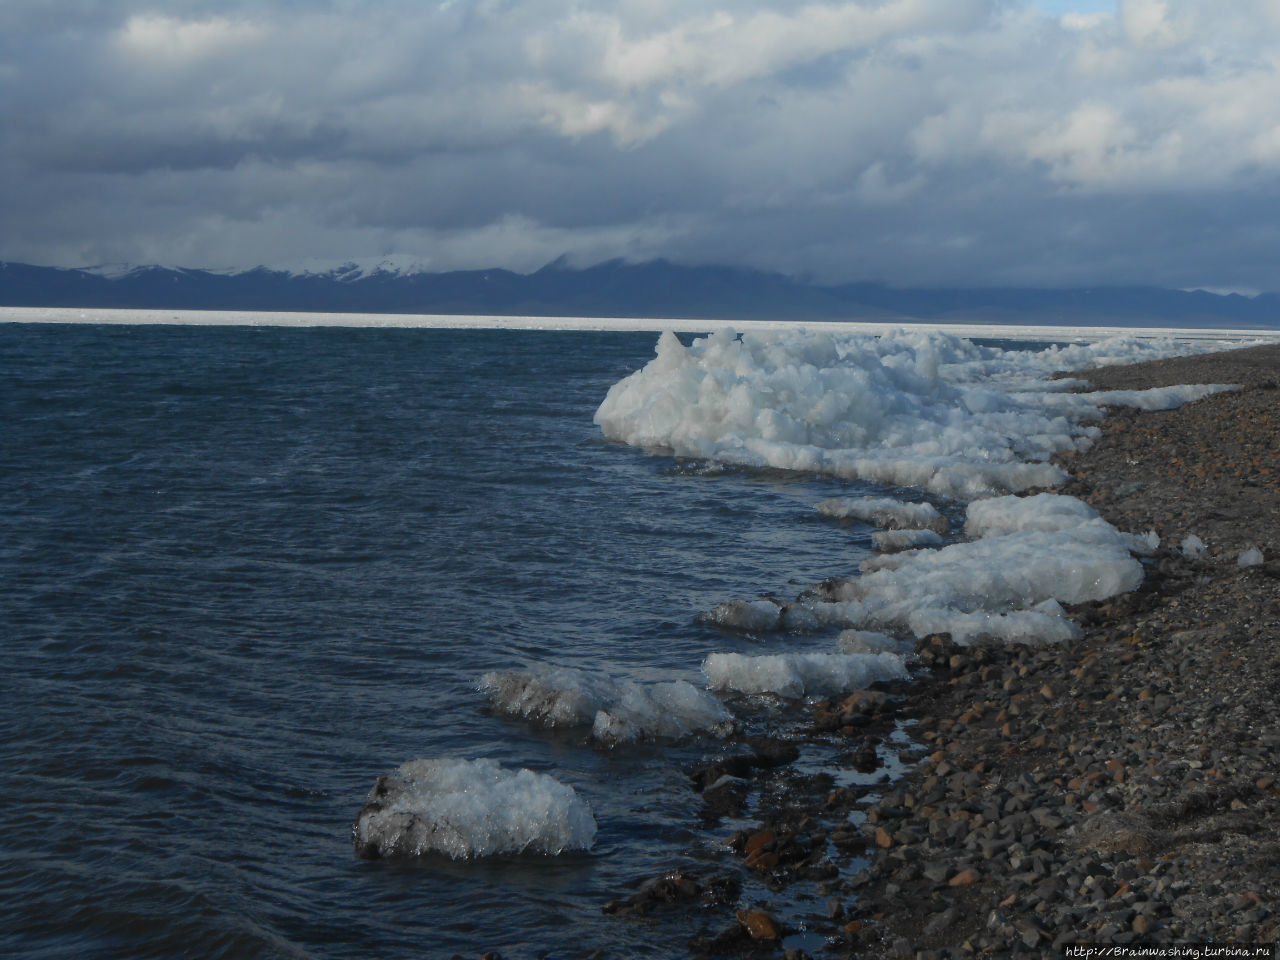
x=964, y=878
x=883, y=840
x=759, y=924
x=758, y=841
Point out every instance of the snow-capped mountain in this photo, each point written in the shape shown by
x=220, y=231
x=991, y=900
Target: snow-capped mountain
x=655, y=289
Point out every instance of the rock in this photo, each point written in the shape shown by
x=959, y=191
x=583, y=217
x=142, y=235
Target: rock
x=758, y=924
x=768, y=753
x=965, y=878
x=672, y=887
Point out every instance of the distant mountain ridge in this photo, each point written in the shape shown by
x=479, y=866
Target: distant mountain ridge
x=656, y=289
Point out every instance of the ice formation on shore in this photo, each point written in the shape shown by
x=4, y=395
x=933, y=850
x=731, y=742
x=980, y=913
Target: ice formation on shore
x=912, y=409
x=1030, y=555
x=797, y=675
x=870, y=641
x=617, y=710
x=470, y=808
x=1249, y=557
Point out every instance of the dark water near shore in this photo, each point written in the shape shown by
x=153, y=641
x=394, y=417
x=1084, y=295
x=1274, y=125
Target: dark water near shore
x=245, y=571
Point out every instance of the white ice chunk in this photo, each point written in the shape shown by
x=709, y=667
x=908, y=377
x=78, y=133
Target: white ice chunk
x=1048, y=512
x=1250, y=557
x=669, y=709
x=1192, y=547
x=617, y=710
x=1144, y=544
x=869, y=641
x=885, y=512
x=470, y=808
x=1044, y=623
x=1034, y=554
x=894, y=541
x=796, y=675
x=913, y=409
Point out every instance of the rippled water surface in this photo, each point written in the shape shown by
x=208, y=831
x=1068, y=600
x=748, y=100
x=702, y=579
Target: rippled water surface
x=245, y=571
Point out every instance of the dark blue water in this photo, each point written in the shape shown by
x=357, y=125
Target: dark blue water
x=245, y=571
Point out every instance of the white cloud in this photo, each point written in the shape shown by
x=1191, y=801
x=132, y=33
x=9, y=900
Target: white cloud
x=168, y=39
x=1148, y=23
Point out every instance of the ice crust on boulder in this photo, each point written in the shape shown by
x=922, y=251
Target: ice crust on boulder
x=927, y=410
x=796, y=675
x=616, y=710
x=470, y=808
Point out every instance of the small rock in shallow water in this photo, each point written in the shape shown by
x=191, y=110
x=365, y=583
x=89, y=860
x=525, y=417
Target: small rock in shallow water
x=758, y=924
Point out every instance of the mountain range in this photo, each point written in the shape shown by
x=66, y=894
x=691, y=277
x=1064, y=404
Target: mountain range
x=655, y=289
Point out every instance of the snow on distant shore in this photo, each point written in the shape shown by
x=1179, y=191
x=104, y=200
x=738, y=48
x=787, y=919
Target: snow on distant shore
x=241, y=318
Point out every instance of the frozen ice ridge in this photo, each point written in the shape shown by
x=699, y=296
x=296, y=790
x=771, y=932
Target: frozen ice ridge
x=470, y=808
x=926, y=410
x=618, y=711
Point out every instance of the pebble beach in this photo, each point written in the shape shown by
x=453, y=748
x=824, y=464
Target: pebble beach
x=1119, y=788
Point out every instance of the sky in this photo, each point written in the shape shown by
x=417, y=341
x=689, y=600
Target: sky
x=915, y=142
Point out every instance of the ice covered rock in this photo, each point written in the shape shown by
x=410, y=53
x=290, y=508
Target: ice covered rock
x=470, y=808
x=616, y=709
x=797, y=675
x=1250, y=557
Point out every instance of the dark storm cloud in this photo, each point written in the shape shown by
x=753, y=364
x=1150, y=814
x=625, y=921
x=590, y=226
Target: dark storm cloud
x=915, y=141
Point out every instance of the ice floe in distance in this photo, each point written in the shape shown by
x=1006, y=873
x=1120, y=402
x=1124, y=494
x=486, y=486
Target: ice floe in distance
x=470, y=808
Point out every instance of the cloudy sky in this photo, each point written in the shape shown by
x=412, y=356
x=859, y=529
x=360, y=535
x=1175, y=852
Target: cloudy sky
x=920, y=142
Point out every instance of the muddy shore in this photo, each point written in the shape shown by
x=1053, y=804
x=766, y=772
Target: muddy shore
x=1119, y=788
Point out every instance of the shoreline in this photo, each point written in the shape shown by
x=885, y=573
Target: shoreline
x=1119, y=788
